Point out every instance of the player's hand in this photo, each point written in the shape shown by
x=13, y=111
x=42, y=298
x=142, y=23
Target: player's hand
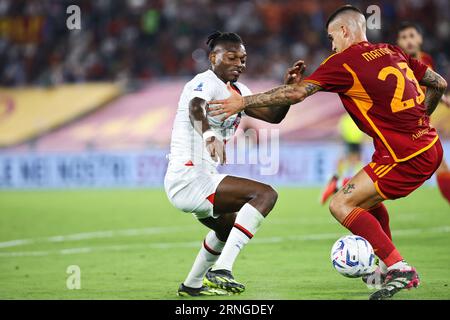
x=216, y=149
x=295, y=74
x=234, y=104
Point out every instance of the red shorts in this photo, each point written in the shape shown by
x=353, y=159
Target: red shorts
x=399, y=179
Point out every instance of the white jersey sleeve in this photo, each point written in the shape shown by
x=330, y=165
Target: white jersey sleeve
x=204, y=88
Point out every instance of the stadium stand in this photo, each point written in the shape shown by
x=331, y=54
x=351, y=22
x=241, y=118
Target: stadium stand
x=145, y=40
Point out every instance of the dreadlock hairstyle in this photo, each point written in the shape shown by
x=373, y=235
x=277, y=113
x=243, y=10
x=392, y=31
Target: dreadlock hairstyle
x=218, y=37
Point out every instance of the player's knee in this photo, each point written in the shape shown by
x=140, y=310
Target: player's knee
x=270, y=196
x=263, y=198
x=273, y=195
x=332, y=206
x=337, y=208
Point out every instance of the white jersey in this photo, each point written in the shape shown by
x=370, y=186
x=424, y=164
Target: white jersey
x=187, y=144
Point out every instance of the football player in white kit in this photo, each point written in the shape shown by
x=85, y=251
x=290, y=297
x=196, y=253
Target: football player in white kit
x=232, y=207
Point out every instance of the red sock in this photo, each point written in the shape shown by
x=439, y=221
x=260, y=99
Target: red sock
x=362, y=223
x=443, y=180
x=380, y=213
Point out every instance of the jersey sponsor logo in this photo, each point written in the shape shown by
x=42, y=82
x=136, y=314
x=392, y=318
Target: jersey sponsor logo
x=420, y=133
x=199, y=87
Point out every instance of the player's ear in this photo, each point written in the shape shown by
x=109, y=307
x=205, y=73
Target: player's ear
x=212, y=58
x=344, y=31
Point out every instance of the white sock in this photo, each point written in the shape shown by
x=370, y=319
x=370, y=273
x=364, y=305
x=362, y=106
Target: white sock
x=401, y=265
x=383, y=267
x=248, y=221
x=208, y=254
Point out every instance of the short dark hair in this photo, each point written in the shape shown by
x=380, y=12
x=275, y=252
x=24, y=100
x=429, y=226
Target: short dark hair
x=408, y=24
x=347, y=7
x=218, y=37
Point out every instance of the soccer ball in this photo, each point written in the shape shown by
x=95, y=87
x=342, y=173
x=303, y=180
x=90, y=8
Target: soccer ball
x=352, y=256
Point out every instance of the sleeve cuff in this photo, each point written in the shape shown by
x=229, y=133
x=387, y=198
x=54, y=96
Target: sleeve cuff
x=315, y=82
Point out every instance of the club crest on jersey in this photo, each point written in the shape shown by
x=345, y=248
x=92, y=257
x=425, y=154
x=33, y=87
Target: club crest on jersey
x=199, y=87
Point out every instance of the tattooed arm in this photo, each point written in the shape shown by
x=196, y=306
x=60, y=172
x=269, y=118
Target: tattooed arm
x=436, y=86
x=293, y=75
x=271, y=115
x=283, y=95
x=280, y=96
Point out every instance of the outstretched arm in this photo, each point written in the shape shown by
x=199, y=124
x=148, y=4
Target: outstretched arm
x=286, y=94
x=436, y=86
x=280, y=96
x=276, y=115
x=271, y=115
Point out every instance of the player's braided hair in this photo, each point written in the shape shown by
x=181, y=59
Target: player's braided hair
x=218, y=36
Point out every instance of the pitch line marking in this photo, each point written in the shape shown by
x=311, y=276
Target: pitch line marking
x=117, y=233
x=97, y=235
x=193, y=244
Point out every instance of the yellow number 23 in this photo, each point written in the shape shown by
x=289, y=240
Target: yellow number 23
x=397, y=104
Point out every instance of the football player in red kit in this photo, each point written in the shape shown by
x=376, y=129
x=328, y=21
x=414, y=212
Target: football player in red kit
x=379, y=86
x=409, y=38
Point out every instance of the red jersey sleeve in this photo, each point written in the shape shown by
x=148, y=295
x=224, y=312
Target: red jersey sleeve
x=426, y=59
x=331, y=75
x=417, y=66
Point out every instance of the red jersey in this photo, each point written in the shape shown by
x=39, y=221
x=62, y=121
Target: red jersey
x=379, y=87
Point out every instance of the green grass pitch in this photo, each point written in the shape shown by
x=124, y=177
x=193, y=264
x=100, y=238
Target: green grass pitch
x=132, y=244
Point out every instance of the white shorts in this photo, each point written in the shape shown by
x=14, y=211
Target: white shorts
x=189, y=187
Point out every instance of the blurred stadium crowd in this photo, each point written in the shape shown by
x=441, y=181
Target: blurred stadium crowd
x=141, y=40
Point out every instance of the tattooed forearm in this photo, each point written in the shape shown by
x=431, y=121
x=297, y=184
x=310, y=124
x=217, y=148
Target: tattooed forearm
x=311, y=88
x=432, y=98
x=272, y=115
x=436, y=86
x=281, y=96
